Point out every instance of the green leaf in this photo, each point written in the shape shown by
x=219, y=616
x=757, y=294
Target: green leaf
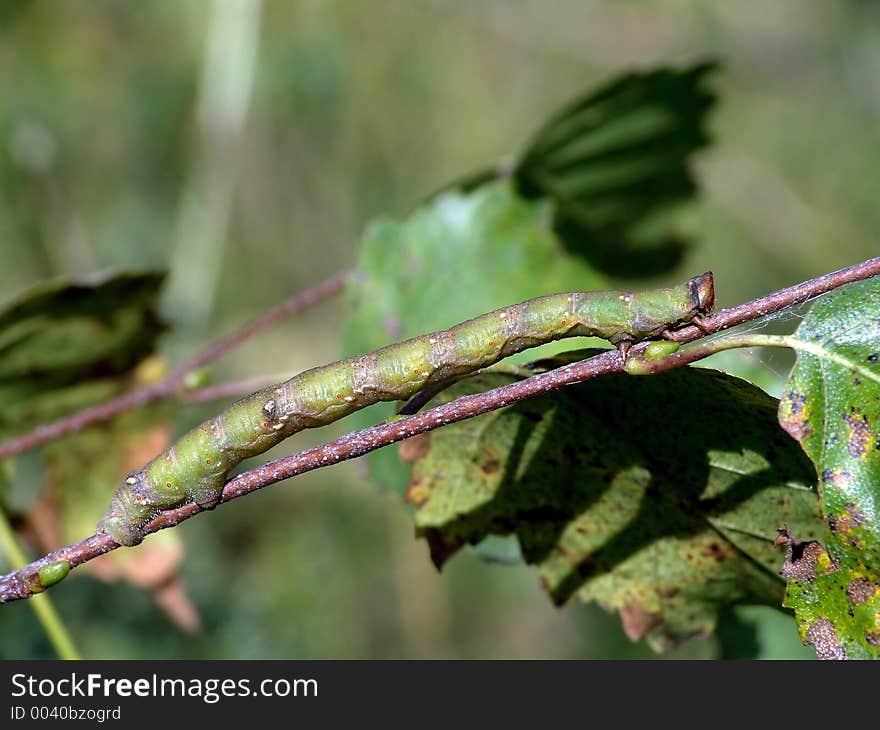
x=614, y=163
x=831, y=405
x=68, y=329
x=451, y=259
x=657, y=497
x=63, y=342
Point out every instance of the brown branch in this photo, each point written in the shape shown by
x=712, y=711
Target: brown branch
x=781, y=299
x=231, y=389
x=171, y=384
x=14, y=586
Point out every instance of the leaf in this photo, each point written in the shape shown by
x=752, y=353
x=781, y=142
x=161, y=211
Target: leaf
x=63, y=342
x=614, y=164
x=451, y=259
x=831, y=405
x=657, y=497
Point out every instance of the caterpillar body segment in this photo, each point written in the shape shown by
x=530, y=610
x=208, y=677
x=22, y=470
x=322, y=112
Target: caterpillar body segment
x=195, y=467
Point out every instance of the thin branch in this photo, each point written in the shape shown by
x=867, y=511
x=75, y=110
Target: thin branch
x=231, y=389
x=638, y=366
x=781, y=299
x=14, y=586
x=44, y=608
x=171, y=383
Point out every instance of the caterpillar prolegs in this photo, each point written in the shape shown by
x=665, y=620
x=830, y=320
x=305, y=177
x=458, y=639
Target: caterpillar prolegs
x=194, y=468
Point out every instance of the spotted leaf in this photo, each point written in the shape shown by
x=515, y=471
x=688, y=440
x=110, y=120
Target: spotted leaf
x=831, y=405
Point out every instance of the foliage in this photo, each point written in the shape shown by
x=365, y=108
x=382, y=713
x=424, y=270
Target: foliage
x=357, y=112
x=831, y=406
x=65, y=345
x=63, y=342
x=614, y=165
x=625, y=491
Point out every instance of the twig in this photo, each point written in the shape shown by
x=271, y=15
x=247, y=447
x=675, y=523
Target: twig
x=637, y=366
x=231, y=389
x=44, y=608
x=171, y=383
x=14, y=586
x=781, y=299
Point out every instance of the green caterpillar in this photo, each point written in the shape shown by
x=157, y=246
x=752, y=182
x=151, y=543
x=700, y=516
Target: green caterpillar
x=194, y=468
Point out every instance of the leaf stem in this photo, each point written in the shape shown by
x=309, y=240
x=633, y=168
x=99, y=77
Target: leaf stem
x=641, y=366
x=42, y=605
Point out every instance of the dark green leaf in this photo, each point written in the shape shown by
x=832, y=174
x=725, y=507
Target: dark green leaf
x=831, y=405
x=63, y=342
x=614, y=163
x=657, y=497
x=69, y=329
x=451, y=259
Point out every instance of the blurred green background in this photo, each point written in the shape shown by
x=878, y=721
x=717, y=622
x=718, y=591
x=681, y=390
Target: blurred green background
x=245, y=145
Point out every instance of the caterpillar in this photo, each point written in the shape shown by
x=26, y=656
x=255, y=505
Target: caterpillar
x=194, y=468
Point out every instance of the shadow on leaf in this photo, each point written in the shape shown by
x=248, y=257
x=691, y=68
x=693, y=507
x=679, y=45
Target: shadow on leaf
x=658, y=497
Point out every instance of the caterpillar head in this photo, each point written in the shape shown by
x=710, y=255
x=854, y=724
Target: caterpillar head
x=702, y=289
x=132, y=507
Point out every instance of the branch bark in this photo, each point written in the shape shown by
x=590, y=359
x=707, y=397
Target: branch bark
x=14, y=586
